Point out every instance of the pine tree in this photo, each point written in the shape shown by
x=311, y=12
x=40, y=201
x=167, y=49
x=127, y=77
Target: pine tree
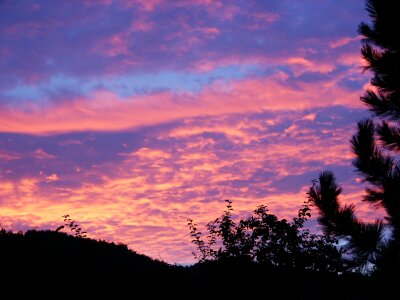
x=376, y=146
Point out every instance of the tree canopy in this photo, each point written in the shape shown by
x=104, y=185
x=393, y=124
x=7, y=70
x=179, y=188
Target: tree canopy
x=264, y=239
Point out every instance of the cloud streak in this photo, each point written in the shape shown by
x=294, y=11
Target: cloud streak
x=106, y=111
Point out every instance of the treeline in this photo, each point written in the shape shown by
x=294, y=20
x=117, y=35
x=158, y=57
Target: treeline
x=55, y=264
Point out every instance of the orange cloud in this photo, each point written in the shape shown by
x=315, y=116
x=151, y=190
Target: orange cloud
x=145, y=198
x=155, y=226
x=52, y=177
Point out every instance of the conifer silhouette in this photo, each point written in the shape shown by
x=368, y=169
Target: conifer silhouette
x=376, y=146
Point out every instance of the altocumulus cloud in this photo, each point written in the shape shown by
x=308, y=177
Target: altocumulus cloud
x=133, y=115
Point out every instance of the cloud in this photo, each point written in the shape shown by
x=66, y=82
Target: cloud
x=8, y=156
x=106, y=111
x=344, y=41
x=132, y=116
x=141, y=190
x=52, y=177
x=111, y=38
x=41, y=154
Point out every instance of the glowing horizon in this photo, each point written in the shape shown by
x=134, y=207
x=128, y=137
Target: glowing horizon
x=132, y=116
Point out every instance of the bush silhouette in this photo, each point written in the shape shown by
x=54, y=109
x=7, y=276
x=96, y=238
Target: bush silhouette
x=264, y=239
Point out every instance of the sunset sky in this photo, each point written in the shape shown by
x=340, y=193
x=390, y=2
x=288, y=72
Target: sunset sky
x=133, y=115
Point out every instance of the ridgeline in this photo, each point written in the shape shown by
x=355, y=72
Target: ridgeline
x=55, y=264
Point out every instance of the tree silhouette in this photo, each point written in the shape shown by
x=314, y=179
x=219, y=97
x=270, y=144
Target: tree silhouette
x=376, y=146
x=264, y=239
x=73, y=226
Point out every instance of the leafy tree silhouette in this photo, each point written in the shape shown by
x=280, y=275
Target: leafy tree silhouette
x=73, y=226
x=376, y=147
x=264, y=239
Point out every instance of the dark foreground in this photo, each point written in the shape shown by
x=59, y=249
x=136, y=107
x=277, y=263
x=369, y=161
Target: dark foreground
x=57, y=265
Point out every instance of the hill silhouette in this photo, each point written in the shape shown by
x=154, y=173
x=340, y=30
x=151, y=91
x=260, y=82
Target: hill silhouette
x=51, y=263
x=55, y=251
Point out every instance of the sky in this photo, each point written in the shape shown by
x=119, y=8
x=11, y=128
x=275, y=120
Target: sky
x=133, y=115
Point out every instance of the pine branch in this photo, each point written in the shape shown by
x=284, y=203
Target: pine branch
x=370, y=160
x=381, y=106
x=334, y=219
x=383, y=28
x=390, y=136
x=341, y=222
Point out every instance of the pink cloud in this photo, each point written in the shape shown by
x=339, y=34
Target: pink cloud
x=343, y=42
x=261, y=20
x=107, y=111
x=266, y=17
x=70, y=142
x=146, y=153
x=301, y=65
x=29, y=28
x=97, y=2
x=207, y=32
x=7, y=156
x=116, y=45
x=141, y=25
x=41, y=154
x=146, y=5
